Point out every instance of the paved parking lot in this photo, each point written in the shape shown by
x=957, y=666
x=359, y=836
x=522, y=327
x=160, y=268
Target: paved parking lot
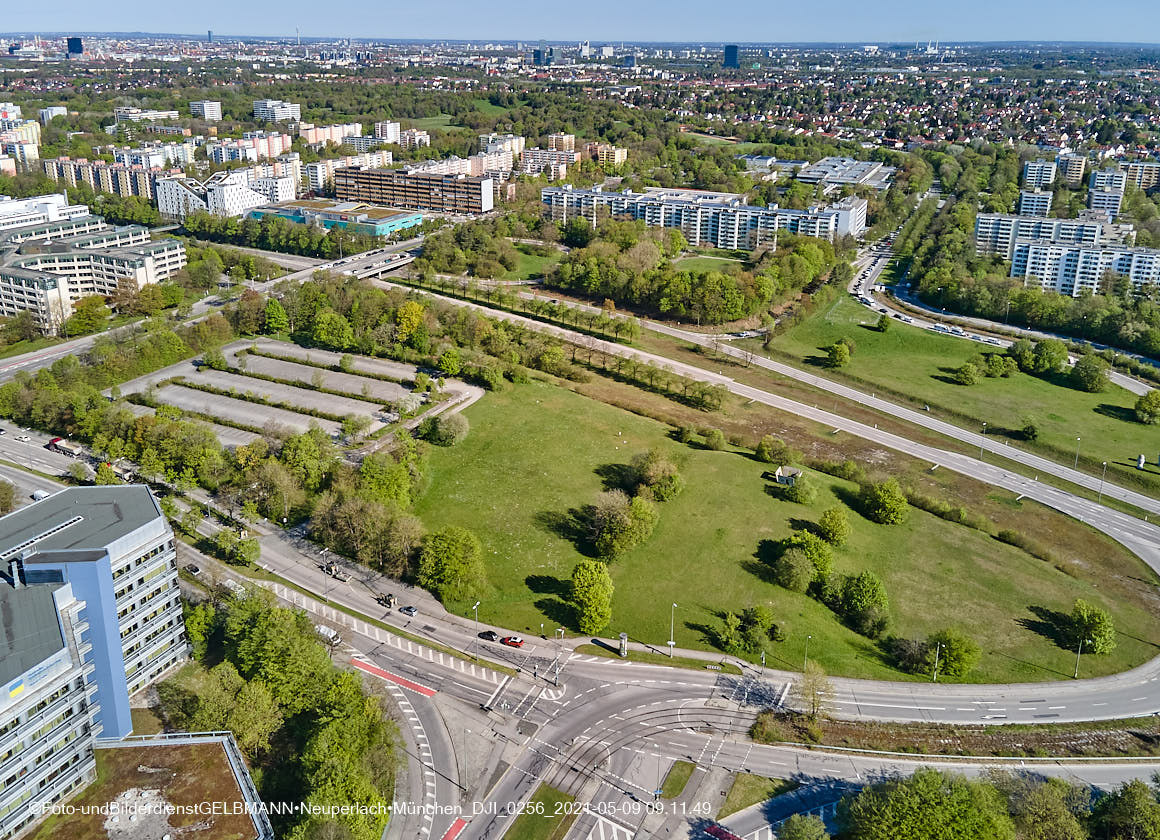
x=228, y=435
x=375, y=389
x=276, y=392
x=240, y=411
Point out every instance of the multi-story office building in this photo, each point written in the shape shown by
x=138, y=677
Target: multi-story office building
x=84, y=256
x=223, y=194
x=1074, y=269
x=209, y=110
x=1145, y=174
x=51, y=112
x=114, y=178
x=732, y=58
x=275, y=110
x=493, y=142
x=1106, y=201
x=92, y=615
x=1072, y=167
x=1034, y=202
x=1108, y=179
x=561, y=142
x=414, y=138
x=457, y=194
x=388, y=132
x=25, y=212
x=721, y=220
x=319, y=176
x=128, y=114
x=1038, y=174
x=996, y=233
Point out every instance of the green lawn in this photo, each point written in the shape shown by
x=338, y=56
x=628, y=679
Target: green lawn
x=532, y=265
x=748, y=789
x=428, y=123
x=534, y=456
x=487, y=109
x=706, y=263
x=915, y=363
x=676, y=779
x=21, y=347
x=540, y=820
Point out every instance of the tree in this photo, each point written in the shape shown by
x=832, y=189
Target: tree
x=834, y=526
x=774, y=450
x=1148, y=408
x=794, y=570
x=408, y=319
x=814, y=691
x=883, y=324
x=1045, y=810
x=332, y=330
x=966, y=374
x=591, y=594
x=927, y=805
x=1030, y=430
x=449, y=362
x=1130, y=813
x=89, y=315
x=447, y=429
x=578, y=232
x=863, y=603
x=275, y=320
x=799, y=827
x=7, y=496
x=1093, y=626
x=838, y=355
x=714, y=439
x=105, y=475
x=802, y=491
x=654, y=472
x=199, y=624
x=1050, y=356
x=957, y=653
x=884, y=502
x=815, y=548
x=1090, y=373
x=451, y=564
x=620, y=524
x=254, y=717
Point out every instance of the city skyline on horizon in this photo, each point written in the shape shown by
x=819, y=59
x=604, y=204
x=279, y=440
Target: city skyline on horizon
x=847, y=22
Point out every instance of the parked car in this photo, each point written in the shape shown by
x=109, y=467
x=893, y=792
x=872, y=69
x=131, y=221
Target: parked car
x=3, y=431
x=37, y=495
x=411, y=611
x=721, y=832
x=192, y=569
x=22, y=438
x=328, y=634
x=512, y=641
x=489, y=636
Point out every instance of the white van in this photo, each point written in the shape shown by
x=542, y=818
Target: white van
x=40, y=494
x=328, y=634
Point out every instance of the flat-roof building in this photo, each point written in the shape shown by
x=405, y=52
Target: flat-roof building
x=276, y=110
x=1072, y=167
x=996, y=233
x=209, y=110
x=353, y=216
x=1038, y=174
x=457, y=194
x=1034, y=202
x=1075, y=269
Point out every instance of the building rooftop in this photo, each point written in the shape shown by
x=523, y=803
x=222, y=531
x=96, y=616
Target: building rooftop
x=77, y=519
x=29, y=629
x=355, y=209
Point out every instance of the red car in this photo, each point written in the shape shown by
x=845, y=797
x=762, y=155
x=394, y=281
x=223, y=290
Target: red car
x=721, y=833
x=512, y=641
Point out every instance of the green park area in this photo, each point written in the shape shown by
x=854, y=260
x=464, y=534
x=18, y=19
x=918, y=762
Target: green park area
x=440, y=121
x=702, y=263
x=537, y=455
x=532, y=264
x=918, y=365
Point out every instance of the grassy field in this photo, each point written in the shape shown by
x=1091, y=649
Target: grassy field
x=487, y=109
x=536, y=455
x=705, y=263
x=547, y=824
x=429, y=123
x=532, y=265
x=916, y=363
x=748, y=789
x=676, y=779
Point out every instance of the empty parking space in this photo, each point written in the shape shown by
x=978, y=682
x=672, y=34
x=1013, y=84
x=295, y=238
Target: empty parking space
x=239, y=411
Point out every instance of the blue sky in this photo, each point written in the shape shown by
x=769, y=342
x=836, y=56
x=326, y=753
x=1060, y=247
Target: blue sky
x=612, y=20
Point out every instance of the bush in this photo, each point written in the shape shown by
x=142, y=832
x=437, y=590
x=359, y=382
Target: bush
x=445, y=429
x=653, y=472
x=863, y=604
x=908, y=655
x=451, y=564
x=687, y=434
x=838, y=355
x=957, y=653
x=794, y=570
x=815, y=549
x=802, y=491
x=714, y=439
x=1029, y=544
x=1030, y=430
x=884, y=502
x=1090, y=374
x=1148, y=408
x=834, y=526
x=773, y=450
x=968, y=374
x=1093, y=626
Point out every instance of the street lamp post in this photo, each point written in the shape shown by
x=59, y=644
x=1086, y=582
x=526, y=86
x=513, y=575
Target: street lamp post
x=1102, y=477
x=982, y=440
x=672, y=629
x=806, y=658
x=1078, y=651
x=1076, y=464
x=475, y=609
x=937, y=649
x=763, y=663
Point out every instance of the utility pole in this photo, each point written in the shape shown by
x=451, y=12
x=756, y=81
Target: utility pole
x=937, y=649
x=1078, y=651
x=806, y=658
x=672, y=628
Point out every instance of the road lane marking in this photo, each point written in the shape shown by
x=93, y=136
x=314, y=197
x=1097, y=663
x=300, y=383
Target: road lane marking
x=418, y=688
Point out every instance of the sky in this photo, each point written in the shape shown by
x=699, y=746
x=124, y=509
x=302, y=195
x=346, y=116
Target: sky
x=602, y=21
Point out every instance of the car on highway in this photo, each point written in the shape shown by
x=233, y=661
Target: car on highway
x=22, y=438
x=411, y=611
x=489, y=636
x=512, y=641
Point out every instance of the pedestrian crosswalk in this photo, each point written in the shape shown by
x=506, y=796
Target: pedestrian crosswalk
x=606, y=829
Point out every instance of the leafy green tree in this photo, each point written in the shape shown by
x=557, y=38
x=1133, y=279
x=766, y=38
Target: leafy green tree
x=620, y=524
x=794, y=570
x=199, y=623
x=275, y=321
x=799, y=827
x=1090, y=373
x=447, y=429
x=802, y=491
x=1030, y=430
x=966, y=374
x=591, y=594
x=1148, y=408
x=883, y=324
x=814, y=691
x=816, y=549
x=1047, y=810
x=884, y=502
x=254, y=717
x=957, y=653
x=1023, y=352
x=451, y=564
x=774, y=450
x=332, y=330
x=834, y=526
x=449, y=362
x=1050, y=356
x=89, y=315
x=838, y=355
x=927, y=805
x=756, y=628
x=1130, y=813
x=105, y=475
x=408, y=319
x=578, y=232
x=714, y=439
x=863, y=604
x=654, y=472
x=1093, y=626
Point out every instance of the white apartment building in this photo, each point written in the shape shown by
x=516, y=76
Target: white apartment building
x=414, y=138
x=1072, y=166
x=48, y=114
x=1106, y=201
x=223, y=194
x=127, y=114
x=318, y=175
x=276, y=110
x=157, y=155
x=493, y=142
x=1073, y=269
x=1038, y=174
x=1108, y=179
x=996, y=233
x=276, y=190
x=10, y=111
x=24, y=212
x=551, y=162
x=388, y=132
x=209, y=110
x=721, y=220
x=1034, y=202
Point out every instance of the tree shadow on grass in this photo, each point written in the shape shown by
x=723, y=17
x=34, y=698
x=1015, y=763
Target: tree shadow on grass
x=817, y=361
x=1117, y=412
x=558, y=611
x=761, y=571
x=804, y=525
x=573, y=525
x=547, y=585
x=1052, y=625
x=617, y=477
